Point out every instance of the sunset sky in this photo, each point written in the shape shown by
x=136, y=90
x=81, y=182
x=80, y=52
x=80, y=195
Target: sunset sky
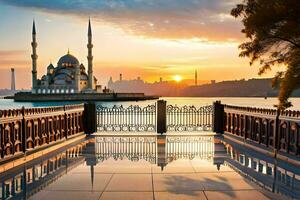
x=146, y=38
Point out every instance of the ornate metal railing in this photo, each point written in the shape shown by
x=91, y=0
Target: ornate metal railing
x=132, y=118
x=26, y=129
x=189, y=118
x=269, y=127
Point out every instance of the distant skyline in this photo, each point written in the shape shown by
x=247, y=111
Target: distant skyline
x=146, y=38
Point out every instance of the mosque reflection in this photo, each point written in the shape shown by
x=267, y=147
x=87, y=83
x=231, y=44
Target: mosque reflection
x=28, y=179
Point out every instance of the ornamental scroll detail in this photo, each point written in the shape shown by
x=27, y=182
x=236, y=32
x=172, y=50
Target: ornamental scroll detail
x=189, y=118
x=133, y=118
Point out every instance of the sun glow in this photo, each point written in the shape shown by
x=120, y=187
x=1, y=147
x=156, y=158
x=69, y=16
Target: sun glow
x=177, y=78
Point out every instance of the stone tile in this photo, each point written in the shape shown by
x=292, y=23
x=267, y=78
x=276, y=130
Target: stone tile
x=177, y=166
x=177, y=182
x=64, y=195
x=82, y=182
x=127, y=196
x=130, y=182
x=201, y=165
x=121, y=166
x=225, y=181
x=180, y=195
x=235, y=195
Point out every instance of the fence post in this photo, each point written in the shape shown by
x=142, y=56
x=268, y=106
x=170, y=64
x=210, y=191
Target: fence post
x=161, y=117
x=24, y=135
x=276, y=129
x=66, y=125
x=218, y=118
x=89, y=118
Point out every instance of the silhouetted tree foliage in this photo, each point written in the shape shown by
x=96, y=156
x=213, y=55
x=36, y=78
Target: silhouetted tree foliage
x=273, y=28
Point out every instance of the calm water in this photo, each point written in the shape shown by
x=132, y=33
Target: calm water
x=150, y=165
x=254, y=102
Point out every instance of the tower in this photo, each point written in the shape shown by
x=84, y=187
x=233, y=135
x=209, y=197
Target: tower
x=90, y=58
x=121, y=77
x=196, y=78
x=13, y=84
x=77, y=79
x=34, y=57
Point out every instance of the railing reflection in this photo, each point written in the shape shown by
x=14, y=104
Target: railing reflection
x=159, y=150
x=270, y=173
x=28, y=179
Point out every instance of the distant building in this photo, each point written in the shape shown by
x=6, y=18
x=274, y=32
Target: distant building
x=213, y=82
x=69, y=76
x=162, y=88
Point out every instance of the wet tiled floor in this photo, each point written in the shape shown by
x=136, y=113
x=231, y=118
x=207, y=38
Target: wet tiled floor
x=132, y=168
x=125, y=179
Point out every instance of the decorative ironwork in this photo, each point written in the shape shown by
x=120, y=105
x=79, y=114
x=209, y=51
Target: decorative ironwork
x=132, y=118
x=189, y=118
x=147, y=148
x=25, y=129
x=131, y=148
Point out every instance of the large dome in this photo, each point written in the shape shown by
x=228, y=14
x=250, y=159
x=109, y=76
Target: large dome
x=68, y=60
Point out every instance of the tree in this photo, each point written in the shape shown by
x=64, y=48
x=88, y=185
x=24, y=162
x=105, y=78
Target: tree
x=273, y=31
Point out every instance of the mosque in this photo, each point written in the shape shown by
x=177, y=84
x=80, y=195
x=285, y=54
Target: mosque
x=69, y=76
x=70, y=81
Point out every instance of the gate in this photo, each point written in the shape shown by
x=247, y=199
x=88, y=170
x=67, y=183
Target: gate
x=158, y=117
x=132, y=118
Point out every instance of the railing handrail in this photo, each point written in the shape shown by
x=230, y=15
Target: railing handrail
x=273, y=128
x=27, y=128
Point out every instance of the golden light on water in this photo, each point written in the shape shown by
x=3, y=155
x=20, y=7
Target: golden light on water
x=177, y=78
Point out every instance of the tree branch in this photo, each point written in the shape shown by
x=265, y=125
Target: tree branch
x=287, y=40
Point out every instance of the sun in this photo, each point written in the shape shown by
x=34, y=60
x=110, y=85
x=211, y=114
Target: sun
x=177, y=78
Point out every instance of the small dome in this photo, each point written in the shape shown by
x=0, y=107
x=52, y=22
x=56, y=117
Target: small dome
x=68, y=60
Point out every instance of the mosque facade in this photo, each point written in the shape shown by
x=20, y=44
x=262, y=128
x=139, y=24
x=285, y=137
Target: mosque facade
x=68, y=76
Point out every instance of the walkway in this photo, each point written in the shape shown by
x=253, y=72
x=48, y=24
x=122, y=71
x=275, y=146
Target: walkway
x=121, y=178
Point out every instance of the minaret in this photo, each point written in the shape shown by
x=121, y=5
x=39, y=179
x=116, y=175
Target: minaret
x=34, y=57
x=196, y=78
x=13, y=83
x=90, y=58
x=77, y=79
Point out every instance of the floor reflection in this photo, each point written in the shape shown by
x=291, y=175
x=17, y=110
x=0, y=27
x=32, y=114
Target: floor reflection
x=160, y=153
x=274, y=175
x=25, y=180
x=159, y=150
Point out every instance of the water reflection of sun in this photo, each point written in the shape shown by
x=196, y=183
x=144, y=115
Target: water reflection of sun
x=177, y=78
